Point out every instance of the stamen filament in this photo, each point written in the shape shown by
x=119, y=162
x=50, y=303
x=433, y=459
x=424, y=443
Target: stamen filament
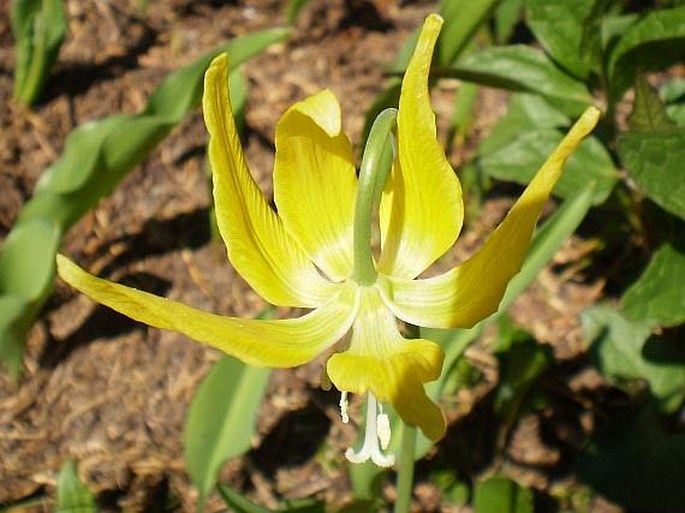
x=343, y=407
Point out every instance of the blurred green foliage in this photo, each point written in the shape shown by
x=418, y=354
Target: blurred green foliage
x=39, y=27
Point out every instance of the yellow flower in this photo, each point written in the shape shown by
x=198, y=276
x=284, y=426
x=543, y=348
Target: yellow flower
x=304, y=256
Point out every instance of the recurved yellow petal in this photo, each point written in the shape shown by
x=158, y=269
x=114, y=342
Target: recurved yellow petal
x=269, y=343
x=421, y=209
x=394, y=369
x=258, y=246
x=473, y=290
x=315, y=182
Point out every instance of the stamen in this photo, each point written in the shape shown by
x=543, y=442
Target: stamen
x=384, y=432
x=370, y=449
x=343, y=407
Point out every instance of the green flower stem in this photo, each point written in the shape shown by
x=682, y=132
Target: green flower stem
x=374, y=171
x=405, y=469
x=405, y=462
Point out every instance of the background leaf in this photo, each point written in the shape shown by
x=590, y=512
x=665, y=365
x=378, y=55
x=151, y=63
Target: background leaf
x=499, y=494
x=462, y=20
x=221, y=420
x=73, y=496
x=519, y=160
x=39, y=27
x=653, y=42
x=522, y=68
x=560, y=27
x=655, y=161
x=658, y=296
x=649, y=112
x=625, y=350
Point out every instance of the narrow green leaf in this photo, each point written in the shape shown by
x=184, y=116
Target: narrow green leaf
x=237, y=502
x=506, y=16
x=73, y=496
x=500, y=494
x=26, y=275
x=519, y=160
x=559, y=26
x=462, y=20
x=522, y=68
x=654, y=42
x=658, y=296
x=293, y=9
x=655, y=162
x=240, y=504
x=626, y=350
x=39, y=27
x=221, y=420
x=649, y=112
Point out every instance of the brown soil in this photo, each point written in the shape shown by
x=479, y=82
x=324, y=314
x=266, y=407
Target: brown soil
x=113, y=394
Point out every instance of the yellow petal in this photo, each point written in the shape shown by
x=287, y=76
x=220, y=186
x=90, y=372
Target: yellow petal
x=257, y=244
x=421, y=209
x=472, y=291
x=272, y=343
x=315, y=182
x=394, y=369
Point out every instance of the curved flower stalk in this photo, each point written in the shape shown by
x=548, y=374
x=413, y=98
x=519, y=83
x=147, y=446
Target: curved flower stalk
x=313, y=252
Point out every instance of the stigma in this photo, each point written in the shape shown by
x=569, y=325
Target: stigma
x=376, y=434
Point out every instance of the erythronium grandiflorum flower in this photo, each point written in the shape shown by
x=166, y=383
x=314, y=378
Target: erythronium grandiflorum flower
x=315, y=253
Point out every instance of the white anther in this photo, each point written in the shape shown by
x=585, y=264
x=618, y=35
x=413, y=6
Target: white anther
x=383, y=430
x=343, y=407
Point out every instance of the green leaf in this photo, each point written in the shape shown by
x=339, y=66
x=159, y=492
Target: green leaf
x=500, y=494
x=97, y=155
x=560, y=27
x=636, y=461
x=649, y=112
x=658, y=296
x=525, y=112
x=73, y=496
x=673, y=93
x=293, y=9
x=221, y=420
x=522, y=68
x=240, y=504
x=462, y=20
x=237, y=502
x=625, y=350
x=506, y=16
x=521, y=362
x=654, y=42
x=655, y=162
x=519, y=160
x=26, y=275
x=39, y=27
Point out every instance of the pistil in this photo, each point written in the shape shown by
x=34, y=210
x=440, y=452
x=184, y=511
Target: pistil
x=373, y=173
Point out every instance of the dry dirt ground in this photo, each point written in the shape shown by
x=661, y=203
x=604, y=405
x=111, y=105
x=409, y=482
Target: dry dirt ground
x=113, y=394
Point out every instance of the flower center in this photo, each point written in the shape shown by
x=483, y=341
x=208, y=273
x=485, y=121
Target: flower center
x=376, y=435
